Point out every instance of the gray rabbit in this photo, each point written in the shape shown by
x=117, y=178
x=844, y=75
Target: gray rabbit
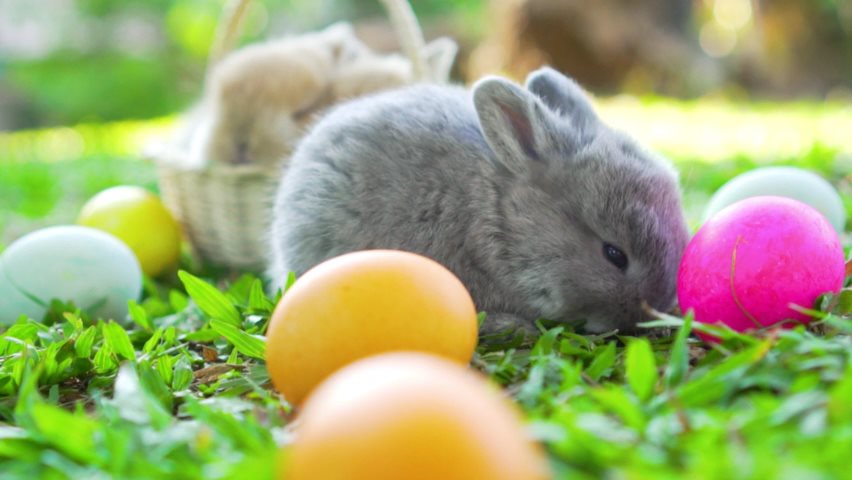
x=538, y=207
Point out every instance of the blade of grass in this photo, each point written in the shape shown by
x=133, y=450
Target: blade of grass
x=210, y=300
x=247, y=344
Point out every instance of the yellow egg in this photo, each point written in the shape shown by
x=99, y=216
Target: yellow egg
x=139, y=219
x=364, y=303
x=413, y=416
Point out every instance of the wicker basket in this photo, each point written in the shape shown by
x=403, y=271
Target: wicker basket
x=224, y=210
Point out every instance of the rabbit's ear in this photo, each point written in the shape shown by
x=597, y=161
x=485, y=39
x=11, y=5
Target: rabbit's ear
x=562, y=95
x=515, y=123
x=440, y=55
x=344, y=44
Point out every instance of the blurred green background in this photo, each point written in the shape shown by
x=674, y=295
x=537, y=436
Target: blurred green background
x=720, y=86
x=70, y=61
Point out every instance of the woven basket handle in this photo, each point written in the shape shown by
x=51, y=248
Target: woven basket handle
x=400, y=13
x=228, y=31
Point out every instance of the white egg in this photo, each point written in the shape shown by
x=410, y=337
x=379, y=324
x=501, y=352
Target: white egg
x=791, y=182
x=92, y=268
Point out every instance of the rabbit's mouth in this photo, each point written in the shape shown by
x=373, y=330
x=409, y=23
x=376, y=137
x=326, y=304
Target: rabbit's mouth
x=621, y=318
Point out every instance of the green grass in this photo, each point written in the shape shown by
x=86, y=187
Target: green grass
x=181, y=391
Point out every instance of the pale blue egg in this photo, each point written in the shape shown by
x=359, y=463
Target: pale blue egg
x=791, y=182
x=94, y=269
x=13, y=303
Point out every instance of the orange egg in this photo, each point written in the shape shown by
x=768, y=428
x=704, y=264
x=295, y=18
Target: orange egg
x=413, y=416
x=364, y=303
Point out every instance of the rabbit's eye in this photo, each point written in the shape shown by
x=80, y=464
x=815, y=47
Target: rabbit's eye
x=615, y=256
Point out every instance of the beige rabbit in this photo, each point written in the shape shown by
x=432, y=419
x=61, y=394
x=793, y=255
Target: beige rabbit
x=259, y=96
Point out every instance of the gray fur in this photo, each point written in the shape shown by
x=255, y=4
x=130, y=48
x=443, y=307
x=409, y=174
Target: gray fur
x=514, y=192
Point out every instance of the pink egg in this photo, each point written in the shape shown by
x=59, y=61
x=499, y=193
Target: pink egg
x=750, y=261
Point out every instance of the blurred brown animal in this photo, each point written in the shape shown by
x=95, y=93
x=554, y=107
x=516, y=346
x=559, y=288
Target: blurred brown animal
x=599, y=42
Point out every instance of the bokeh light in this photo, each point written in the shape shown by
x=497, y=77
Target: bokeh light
x=717, y=40
x=733, y=14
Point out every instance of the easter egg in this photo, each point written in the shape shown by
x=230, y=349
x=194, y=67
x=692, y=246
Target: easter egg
x=14, y=303
x=414, y=416
x=791, y=182
x=364, y=303
x=139, y=219
x=753, y=259
x=93, y=269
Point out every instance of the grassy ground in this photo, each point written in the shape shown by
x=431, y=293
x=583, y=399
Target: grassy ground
x=174, y=394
